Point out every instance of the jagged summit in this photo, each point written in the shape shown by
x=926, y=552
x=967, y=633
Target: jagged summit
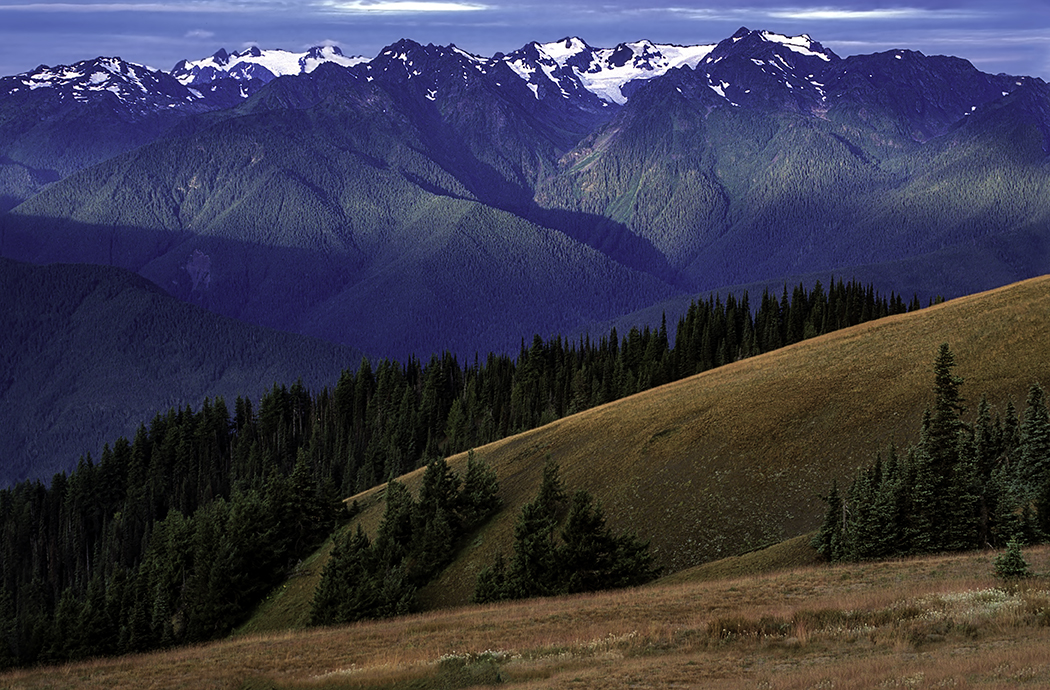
x=749, y=44
x=107, y=78
x=751, y=68
x=611, y=74
x=256, y=63
x=566, y=69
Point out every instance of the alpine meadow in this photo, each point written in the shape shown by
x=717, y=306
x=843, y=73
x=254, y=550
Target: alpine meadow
x=707, y=366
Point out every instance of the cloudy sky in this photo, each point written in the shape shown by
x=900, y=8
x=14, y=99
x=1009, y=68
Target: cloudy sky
x=1010, y=36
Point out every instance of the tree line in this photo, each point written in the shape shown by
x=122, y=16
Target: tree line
x=416, y=539
x=132, y=552
x=584, y=556
x=163, y=542
x=964, y=485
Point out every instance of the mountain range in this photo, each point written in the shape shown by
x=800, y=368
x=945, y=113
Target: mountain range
x=80, y=104
x=168, y=238
x=428, y=199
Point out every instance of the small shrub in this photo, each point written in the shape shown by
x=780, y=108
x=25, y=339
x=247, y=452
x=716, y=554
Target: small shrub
x=1011, y=565
x=464, y=671
x=736, y=627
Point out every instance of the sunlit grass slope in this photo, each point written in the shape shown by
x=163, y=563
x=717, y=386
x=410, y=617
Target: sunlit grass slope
x=736, y=458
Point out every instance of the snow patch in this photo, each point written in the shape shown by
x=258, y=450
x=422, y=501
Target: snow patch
x=250, y=63
x=605, y=71
x=562, y=50
x=802, y=44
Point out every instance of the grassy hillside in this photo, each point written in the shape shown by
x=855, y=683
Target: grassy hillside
x=708, y=467
x=736, y=458
x=938, y=621
x=91, y=352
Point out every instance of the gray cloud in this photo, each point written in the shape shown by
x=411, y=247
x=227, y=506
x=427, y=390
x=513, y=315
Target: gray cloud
x=400, y=6
x=106, y=7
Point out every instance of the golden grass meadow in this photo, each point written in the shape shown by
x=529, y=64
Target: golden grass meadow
x=939, y=621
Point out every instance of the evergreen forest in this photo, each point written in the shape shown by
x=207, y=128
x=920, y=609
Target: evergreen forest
x=965, y=485
x=588, y=557
x=175, y=535
x=415, y=540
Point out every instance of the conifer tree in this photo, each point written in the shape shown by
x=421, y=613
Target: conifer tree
x=533, y=570
x=493, y=582
x=395, y=531
x=588, y=556
x=1011, y=564
x=1034, y=461
x=1042, y=506
x=551, y=497
x=480, y=496
x=963, y=526
x=347, y=591
x=942, y=433
x=588, y=551
x=592, y=558
x=829, y=539
x=942, y=486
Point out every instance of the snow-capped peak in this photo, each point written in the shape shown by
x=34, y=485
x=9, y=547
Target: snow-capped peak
x=255, y=63
x=800, y=44
x=604, y=72
x=319, y=55
x=135, y=86
x=561, y=51
x=569, y=68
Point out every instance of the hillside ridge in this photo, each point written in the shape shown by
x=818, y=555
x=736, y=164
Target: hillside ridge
x=737, y=458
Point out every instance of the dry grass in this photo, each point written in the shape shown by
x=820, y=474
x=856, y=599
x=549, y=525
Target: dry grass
x=928, y=622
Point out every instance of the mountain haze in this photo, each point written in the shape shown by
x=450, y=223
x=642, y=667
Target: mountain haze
x=92, y=352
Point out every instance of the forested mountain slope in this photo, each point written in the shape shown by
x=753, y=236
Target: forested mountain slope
x=90, y=352
x=357, y=219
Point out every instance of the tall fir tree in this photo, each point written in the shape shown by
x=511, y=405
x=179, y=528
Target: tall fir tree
x=1034, y=460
